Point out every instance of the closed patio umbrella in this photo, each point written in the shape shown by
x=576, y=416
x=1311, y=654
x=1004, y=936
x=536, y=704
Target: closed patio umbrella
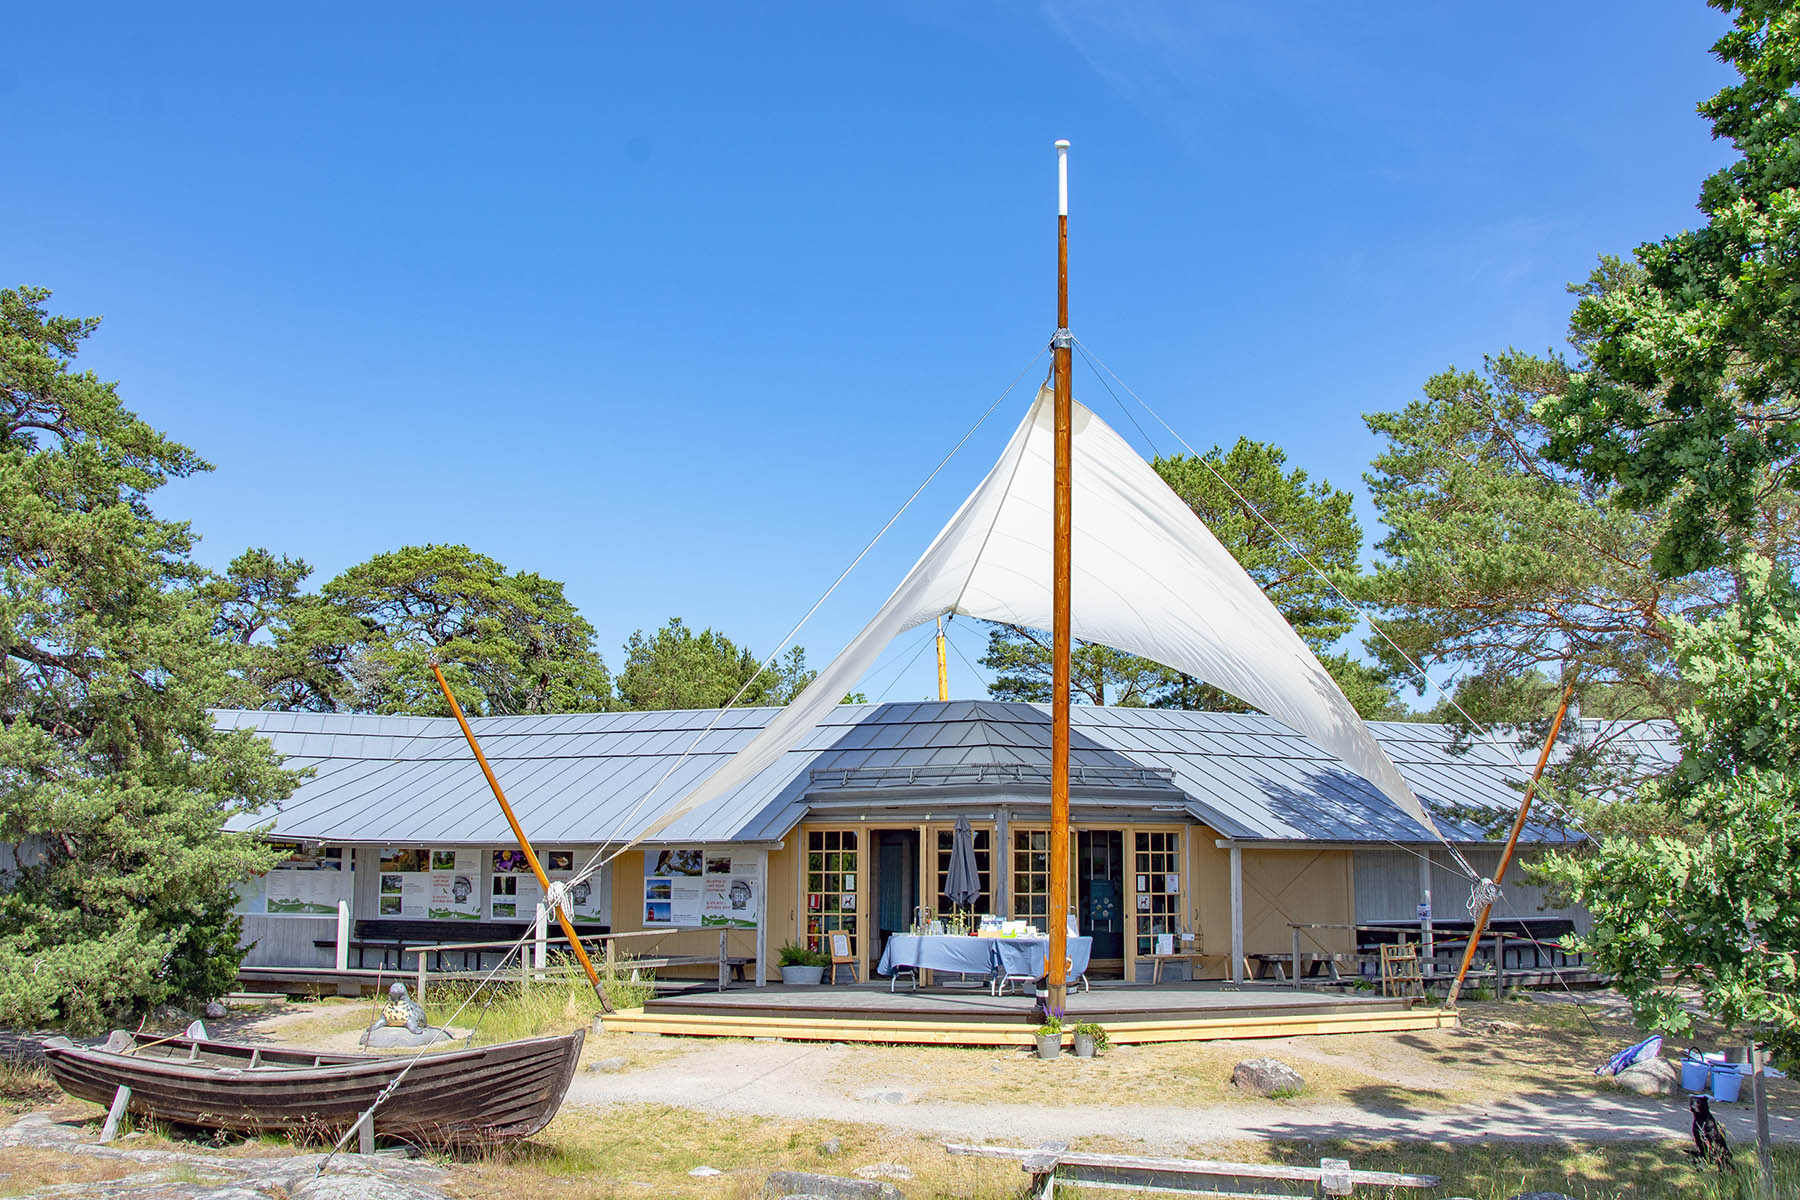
x=962, y=883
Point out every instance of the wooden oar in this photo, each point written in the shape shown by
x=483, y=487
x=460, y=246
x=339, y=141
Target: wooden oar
x=1512, y=842
x=562, y=918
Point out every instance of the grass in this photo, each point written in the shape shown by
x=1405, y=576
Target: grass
x=504, y=1011
x=649, y=1150
x=25, y=1085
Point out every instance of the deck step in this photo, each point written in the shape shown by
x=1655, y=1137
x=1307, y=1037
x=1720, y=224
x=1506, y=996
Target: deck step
x=875, y=1028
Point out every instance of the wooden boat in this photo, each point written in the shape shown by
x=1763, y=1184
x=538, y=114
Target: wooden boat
x=490, y=1093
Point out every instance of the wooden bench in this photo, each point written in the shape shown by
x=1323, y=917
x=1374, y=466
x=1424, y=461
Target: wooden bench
x=1053, y=1163
x=1313, y=964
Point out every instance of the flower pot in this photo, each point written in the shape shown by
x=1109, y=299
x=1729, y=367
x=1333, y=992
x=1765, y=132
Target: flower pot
x=1049, y=1045
x=802, y=975
x=1084, y=1045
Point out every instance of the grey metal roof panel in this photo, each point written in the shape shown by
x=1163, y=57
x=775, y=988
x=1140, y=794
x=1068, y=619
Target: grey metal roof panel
x=595, y=776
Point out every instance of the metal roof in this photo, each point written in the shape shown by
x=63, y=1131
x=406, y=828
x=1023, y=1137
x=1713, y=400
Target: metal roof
x=591, y=777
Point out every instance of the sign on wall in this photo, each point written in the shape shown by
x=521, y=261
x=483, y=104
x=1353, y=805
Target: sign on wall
x=455, y=885
x=308, y=882
x=689, y=887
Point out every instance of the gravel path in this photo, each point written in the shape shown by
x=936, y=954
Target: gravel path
x=787, y=1080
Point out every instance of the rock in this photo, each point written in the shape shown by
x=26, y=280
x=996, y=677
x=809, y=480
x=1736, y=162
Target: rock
x=899, y=1171
x=1652, y=1077
x=391, y=1037
x=887, y=1096
x=829, y=1187
x=831, y=1147
x=705, y=1172
x=331, y=1186
x=606, y=1066
x=1266, y=1076
x=215, y=1009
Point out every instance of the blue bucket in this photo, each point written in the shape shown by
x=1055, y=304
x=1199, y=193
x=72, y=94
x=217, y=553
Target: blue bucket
x=1726, y=1080
x=1694, y=1074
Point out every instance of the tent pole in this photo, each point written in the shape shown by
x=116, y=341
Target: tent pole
x=1512, y=842
x=562, y=918
x=1057, y=967
x=943, y=665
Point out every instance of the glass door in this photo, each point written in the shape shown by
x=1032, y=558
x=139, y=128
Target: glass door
x=1100, y=895
x=833, y=899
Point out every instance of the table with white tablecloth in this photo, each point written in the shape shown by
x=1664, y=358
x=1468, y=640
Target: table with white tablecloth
x=990, y=958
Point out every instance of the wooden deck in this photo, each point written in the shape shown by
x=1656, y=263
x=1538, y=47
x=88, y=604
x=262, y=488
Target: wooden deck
x=972, y=1017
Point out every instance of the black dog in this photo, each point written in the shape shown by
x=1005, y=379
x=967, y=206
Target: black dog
x=1710, y=1145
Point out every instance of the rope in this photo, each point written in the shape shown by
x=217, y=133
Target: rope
x=369, y=1113
x=600, y=858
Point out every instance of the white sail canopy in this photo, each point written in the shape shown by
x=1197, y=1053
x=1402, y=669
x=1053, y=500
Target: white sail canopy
x=1148, y=578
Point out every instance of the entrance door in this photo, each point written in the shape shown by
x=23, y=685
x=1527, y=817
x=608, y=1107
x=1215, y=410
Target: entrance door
x=895, y=885
x=1100, y=896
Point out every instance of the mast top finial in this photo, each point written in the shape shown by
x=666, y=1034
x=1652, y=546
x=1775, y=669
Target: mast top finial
x=1062, y=143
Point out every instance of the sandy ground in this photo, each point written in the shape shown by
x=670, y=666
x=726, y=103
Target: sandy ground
x=1480, y=1083
x=795, y=1080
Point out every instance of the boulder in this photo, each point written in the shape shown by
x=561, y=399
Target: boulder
x=1652, y=1077
x=394, y=1037
x=833, y=1187
x=606, y=1066
x=831, y=1147
x=215, y=1009
x=899, y=1171
x=1266, y=1076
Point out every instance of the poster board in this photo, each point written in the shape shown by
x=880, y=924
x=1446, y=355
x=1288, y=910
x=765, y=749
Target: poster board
x=690, y=887
x=455, y=885
x=403, y=888
x=308, y=882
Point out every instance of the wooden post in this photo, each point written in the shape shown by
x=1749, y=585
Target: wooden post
x=421, y=996
x=1428, y=946
x=531, y=857
x=343, y=935
x=365, y=1134
x=762, y=918
x=1761, y=1096
x=1237, y=914
x=1057, y=1000
x=1296, y=930
x=1512, y=842
x=943, y=665
x=1499, y=965
x=120, y=1101
x=540, y=936
x=724, y=966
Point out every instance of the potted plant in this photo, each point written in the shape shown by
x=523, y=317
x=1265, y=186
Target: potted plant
x=800, y=965
x=1089, y=1037
x=1049, y=1038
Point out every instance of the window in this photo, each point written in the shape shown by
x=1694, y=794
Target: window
x=1156, y=861
x=984, y=868
x=831, y=893
x=1031, y=877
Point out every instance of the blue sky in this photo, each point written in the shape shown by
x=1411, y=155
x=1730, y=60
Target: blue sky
x=677, y=303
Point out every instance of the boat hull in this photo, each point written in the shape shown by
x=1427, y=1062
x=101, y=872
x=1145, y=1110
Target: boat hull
x=493, y=1093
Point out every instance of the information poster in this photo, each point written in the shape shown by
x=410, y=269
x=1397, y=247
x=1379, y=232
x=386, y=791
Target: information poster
x=455, y=885
x=404, y=888
x=514, y=893
x=309, y=882
x=689, y=887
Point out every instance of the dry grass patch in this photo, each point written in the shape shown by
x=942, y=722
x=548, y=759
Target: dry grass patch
x=24, y=1170
x=616, y=1153
x=1502, y=1048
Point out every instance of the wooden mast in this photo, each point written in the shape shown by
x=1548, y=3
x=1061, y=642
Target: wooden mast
x=1056, y=1004
x=943, y=665
x=1512, y=842
x=562, y=918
